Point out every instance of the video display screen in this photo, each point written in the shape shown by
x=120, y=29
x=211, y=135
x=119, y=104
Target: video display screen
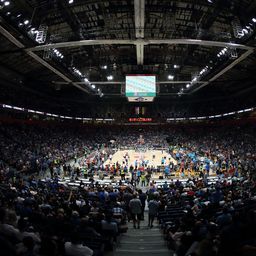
x=140, y=86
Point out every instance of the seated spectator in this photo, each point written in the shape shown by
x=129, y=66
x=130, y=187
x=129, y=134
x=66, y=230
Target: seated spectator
x=225, y=218
x=75, y=247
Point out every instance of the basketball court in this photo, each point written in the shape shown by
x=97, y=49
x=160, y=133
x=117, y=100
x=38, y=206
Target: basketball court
x=153, y=158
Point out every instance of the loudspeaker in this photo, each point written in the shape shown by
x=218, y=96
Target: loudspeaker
x=161, y=177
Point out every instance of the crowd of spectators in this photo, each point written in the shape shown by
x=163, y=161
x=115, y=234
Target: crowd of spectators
x=30, y=149
x=224, y=151
x=50, y=218
x=216, y=219
x=37, y=149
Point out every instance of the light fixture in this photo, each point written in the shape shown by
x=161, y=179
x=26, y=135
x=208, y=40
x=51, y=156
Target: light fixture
x=26, y=22
x=93, y=86
x=254, y=20
x=188, y=85
x=110, y=77
x=105, y=67
x=6, y=3
x=176, y=66
x=170, y=77
x=245, y=31
x=71, y=1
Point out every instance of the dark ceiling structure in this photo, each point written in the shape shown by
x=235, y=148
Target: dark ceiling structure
x=202, y=47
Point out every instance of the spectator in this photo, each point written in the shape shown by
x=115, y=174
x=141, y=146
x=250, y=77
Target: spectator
x=153, y=206
x=75, y=247
x=135, y=207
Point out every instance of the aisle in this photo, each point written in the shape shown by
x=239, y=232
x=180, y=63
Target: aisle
x=142, y=242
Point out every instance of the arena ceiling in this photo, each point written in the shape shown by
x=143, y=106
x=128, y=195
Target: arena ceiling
x=192, y=46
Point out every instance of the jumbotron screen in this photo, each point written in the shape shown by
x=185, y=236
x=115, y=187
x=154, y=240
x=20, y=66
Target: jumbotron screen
x=140, y=86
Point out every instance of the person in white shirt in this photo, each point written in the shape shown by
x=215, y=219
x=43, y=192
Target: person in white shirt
x=75, y=248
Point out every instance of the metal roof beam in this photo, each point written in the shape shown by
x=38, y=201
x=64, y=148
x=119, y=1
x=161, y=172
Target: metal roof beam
x=12, y=39
x=122, y=82
x=139, y=20
x=238, y=60
x=181, y=41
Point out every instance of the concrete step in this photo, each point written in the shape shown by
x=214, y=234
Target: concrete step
x=142, y=242
x=143, y=252
x=134, y=243
x=142, y=233
x=142, y=246
x=142, y=239
x=144, y=230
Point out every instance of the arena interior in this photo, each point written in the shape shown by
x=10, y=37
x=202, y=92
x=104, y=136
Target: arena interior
x=127, y=127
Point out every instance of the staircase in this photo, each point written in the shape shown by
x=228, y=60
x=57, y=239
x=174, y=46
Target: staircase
x=142, y=242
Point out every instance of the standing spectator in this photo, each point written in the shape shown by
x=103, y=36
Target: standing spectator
x=153, y=206
x=143, y=180
x=143, y=198
x=135, y=207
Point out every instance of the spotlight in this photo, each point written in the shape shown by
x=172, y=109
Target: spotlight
x=170, y=77
x=26, y=22
x=93, y=86
x=6, y=3
x=104, y=67
x=176, y=66
x=245, y=31
x=87, y=81
x=254, y=20
x=71, y=1
x=110, y=77
x=188, y=85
